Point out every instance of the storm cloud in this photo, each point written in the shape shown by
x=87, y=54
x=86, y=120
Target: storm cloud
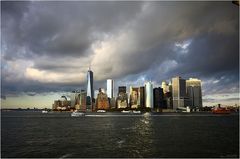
x=48, y=46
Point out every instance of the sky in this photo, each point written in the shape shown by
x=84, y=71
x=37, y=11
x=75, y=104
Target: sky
x=47, y=47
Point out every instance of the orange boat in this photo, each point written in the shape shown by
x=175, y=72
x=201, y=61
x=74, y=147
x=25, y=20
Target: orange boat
x=220, y=110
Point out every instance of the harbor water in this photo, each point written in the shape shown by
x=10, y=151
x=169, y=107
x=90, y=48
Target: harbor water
x=58, y=135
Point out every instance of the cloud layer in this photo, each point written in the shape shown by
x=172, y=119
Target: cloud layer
x=48, y=46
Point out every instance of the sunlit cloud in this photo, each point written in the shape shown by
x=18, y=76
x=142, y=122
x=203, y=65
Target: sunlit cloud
x=50, y=47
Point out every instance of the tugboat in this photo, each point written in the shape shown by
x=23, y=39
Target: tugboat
x=220, y=110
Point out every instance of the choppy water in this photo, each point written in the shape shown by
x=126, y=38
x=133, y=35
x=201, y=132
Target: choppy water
x=32, y=134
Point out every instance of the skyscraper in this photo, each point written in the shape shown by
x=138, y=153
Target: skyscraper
x=142, y=97
x=110, y=88
x=178, y=92
x=90, y=94
x=158, y=98
x=165, y=87
x=122, y=99
x=194, y=92
x=82, y=100
x=73, y=98
x=134, y=97
x=149, y=95
x=102, y=100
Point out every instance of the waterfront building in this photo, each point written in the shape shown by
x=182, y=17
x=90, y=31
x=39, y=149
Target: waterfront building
x=65, y=102
x=102, y=100
x=158, y=98
x=110, y=88
x=179, y=92
x=62, y=104
x=134, y=99
x=90, y=94
x=122, y=99
x=82, y=100
x=56, y=104
x=73, y=99
x=194, y=92
x=167, y=91
x=149, y=95
x=168, y=100
x=142, y=97
x=112, y=102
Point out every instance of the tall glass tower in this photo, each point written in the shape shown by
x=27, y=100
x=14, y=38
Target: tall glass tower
x=178, y=92
x=149, y=95
x=90, y=93
x=110, y=88
x=194, y=92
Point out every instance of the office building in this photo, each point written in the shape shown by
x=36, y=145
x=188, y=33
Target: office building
x=90, y=92
x=158, y=98
x=134, y=99
x=110, y=88
x=179, y=92
x=62, y=104
x=165, y=87
x=142, y=97
x=149, y=95
x=56, y=104
x=102, y=100
x=168, y=100
x=122, y=99
x=122, y=89
x=112, y=102
x=73, y=99
x=194, y=92
x=82, y=100
x=167, y=91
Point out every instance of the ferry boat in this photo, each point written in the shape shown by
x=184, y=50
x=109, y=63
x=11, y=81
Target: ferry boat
x=137, y=111
x=126, y=111
x=44, y=111
x=220, y=110
x=77, y=113
x=101, y=111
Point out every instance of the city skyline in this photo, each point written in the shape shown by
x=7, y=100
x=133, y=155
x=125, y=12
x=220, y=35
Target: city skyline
x=47, y=48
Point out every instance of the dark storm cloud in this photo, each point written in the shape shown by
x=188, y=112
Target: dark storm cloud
x=138, y=39
x=62, y=28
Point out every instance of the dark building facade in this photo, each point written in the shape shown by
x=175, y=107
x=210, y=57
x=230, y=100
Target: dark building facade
x=142, y=97
x=168, y=100
x=122, y=89
x=158, y=98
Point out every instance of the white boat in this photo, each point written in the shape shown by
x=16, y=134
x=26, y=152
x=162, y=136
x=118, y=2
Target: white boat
x=101, y=111
x=137, y=111
x=77, y=114
x=126, y=111
x=44, y=111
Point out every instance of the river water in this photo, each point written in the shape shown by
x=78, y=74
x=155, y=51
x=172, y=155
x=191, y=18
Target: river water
x=58, y=135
